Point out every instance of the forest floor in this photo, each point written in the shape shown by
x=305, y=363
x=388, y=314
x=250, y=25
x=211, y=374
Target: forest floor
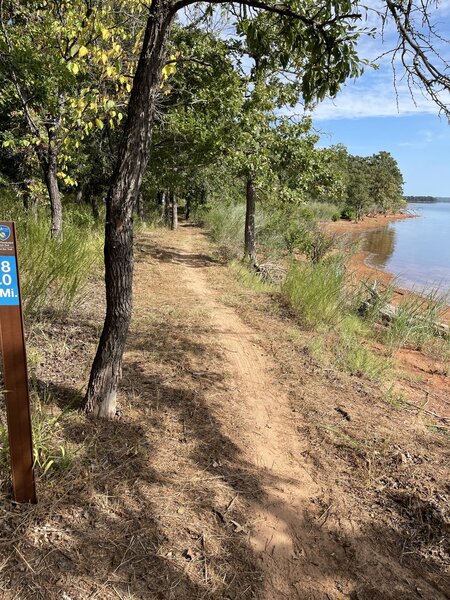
x=238, y=466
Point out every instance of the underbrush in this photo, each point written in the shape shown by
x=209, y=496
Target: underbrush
x=226, y=226
x=54, y=272
x=279, y=230
x=350, y=332
x=51, y=453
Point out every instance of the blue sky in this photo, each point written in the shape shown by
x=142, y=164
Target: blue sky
x=373, y=114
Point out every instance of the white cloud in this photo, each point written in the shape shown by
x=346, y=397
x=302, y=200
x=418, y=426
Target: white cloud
x=382, y=93
x=374, y=96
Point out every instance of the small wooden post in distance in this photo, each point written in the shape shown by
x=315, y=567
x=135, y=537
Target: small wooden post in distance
x=15, y=376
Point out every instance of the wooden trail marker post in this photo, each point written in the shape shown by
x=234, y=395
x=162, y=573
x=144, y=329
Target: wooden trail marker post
x=15, y=376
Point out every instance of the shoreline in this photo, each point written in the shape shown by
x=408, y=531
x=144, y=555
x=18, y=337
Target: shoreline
x=366, y=224
x=359, y=264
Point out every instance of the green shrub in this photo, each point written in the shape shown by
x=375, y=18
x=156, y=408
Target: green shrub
x=226, y=225
x=348, y=214
x=315, y=244
x=323, y=211
x=354, y=357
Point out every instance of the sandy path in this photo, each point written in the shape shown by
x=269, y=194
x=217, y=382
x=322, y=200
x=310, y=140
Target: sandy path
x=262, y=428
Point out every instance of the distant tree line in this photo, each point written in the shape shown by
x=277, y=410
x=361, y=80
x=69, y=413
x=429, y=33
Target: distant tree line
x=421, y=199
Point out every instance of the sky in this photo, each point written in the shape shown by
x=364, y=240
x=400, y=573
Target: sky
x=372, y=114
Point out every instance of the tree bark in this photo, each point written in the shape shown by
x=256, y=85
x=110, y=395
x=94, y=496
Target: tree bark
x=250, y=237
x=174, y=212
x=126, y=181
x=48, y=160
x=187, y=209
x=140, y=207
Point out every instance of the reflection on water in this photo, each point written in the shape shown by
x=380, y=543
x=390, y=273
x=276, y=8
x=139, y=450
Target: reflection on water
x=381, y=244
x=416, y=251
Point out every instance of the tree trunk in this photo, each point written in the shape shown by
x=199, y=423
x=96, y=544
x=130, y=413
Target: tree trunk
x=161, y=200
x=174, y=212
x=29, y=200
x=140, y=207
x=187, y=209
x=203, y=198
x=94, y=206
x=126, y=181
x=80, y=195
x=250, y=238
x=51, y=181
x=167, y=209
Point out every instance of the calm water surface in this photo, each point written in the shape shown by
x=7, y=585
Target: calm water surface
x=416, y=251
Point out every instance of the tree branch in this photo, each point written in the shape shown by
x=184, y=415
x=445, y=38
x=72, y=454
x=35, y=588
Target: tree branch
x=278, y=9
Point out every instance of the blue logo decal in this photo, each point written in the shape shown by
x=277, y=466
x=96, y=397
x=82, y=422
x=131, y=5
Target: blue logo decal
x=5, y=232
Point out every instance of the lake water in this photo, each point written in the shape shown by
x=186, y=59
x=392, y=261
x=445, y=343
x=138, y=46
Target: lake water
x=416, y=251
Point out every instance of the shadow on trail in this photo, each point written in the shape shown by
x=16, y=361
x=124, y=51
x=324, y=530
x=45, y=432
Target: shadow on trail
x=174, y=255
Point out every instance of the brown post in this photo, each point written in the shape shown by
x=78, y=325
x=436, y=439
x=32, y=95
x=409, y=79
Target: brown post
x=15, y=376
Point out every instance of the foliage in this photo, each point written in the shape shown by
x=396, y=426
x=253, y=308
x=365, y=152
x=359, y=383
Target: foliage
x=353, y=356
x=50, y=454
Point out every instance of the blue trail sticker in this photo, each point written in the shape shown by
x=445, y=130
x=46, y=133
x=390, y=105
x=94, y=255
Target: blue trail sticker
x=9, y=286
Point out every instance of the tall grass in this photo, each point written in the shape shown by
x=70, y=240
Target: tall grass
x=415, y=321
x=317, y=292
x=226, y=225
x=54, y=272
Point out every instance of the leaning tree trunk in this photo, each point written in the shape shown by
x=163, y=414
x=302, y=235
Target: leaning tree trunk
x=126, y=181
x=250, y=237
x=174, y=212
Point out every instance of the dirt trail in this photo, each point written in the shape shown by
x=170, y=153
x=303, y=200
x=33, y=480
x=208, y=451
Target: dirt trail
x=263, y=428
x=260, y=423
